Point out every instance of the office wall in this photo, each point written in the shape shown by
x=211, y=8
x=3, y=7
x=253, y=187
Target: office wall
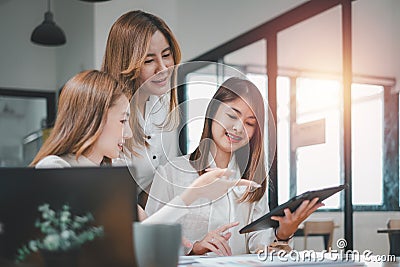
x=105, y=14
x=23, y=64
x=30, y=66
x=77, y=21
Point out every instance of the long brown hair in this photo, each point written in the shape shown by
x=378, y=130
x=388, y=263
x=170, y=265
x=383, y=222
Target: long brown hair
x=126, y=51
x=82, y=113
x=251, y=157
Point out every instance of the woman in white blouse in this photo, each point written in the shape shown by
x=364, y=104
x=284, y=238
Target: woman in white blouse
x=141, y=52
x=91, y=128
x=232, y=138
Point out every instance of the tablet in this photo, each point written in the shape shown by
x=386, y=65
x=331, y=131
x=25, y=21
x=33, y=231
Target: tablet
x=266, y=222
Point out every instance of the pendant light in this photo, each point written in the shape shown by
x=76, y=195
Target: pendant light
x=48, y=33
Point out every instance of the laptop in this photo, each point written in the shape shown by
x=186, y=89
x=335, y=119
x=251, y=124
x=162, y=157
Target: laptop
x=108, y=193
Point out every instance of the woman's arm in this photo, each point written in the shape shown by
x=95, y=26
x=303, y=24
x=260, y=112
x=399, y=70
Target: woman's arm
x=289, y=223
x=212, y=185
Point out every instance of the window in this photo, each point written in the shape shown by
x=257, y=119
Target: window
x=313, y=166
x=367, y=144
x=198, y=97
x=319, y=165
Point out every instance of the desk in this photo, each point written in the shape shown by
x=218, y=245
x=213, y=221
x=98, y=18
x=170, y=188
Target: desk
x=394, y=240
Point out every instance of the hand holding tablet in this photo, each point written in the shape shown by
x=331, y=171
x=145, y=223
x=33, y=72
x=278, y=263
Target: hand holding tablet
x=267, y=222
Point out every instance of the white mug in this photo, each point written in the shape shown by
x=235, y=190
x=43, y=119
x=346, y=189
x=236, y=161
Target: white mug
x=157, y=245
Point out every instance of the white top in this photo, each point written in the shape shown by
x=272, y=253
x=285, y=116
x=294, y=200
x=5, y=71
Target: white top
x=65, y=161
x=162, y=144
x=169, y=214
x=203, y=216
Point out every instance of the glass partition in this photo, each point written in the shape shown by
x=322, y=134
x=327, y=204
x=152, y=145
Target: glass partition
x=24, y=120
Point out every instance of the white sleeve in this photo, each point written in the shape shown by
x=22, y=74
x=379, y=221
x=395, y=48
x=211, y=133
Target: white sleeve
x=174, y=144
x=170, y=213
x=161, y=191
x=259, y=239
x=52, y=162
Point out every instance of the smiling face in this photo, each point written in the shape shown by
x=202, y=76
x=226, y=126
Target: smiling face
x=233, y=126
x=115, y=131
x=155, y=73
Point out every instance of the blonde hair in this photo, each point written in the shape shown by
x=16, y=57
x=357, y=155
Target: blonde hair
x=82, y=113
x=126, y=51
x=250, y=158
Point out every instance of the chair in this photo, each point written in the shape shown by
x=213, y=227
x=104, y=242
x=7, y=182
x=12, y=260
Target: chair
x=319, y=228
x=393, y=224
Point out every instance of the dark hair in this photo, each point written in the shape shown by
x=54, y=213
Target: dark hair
x=251, y=157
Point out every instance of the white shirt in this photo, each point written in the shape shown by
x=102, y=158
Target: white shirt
x=169, y=214
x=170, y=181
x=65, y=161
x=163, y=144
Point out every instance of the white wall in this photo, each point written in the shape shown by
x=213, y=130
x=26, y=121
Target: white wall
x=29, y=66
x=105, y=14
x=23, y=64
x=77, y=20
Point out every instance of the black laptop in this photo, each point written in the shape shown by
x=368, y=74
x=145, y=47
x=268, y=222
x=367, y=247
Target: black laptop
x=108, y=193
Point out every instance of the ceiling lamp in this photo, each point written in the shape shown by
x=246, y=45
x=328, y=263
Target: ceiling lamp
x=48, y=33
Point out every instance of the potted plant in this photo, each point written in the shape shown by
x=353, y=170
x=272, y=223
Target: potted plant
x=64, y=233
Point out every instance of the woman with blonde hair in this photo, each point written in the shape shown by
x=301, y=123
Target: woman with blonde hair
x=91, y=125
x=141, y=52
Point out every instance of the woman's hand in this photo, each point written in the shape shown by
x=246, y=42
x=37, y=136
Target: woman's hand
x=186, y=243
x=141, y=213
x=289, y=223
x=212, y=185
x=215, y=241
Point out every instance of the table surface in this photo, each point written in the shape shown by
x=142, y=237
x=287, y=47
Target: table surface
x=254, y=260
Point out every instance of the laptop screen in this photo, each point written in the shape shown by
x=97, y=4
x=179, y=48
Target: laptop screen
x=108, y=193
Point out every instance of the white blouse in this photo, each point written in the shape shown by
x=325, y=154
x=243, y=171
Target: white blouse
x=204, y=216
x=163, y=144
x=65, y=161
